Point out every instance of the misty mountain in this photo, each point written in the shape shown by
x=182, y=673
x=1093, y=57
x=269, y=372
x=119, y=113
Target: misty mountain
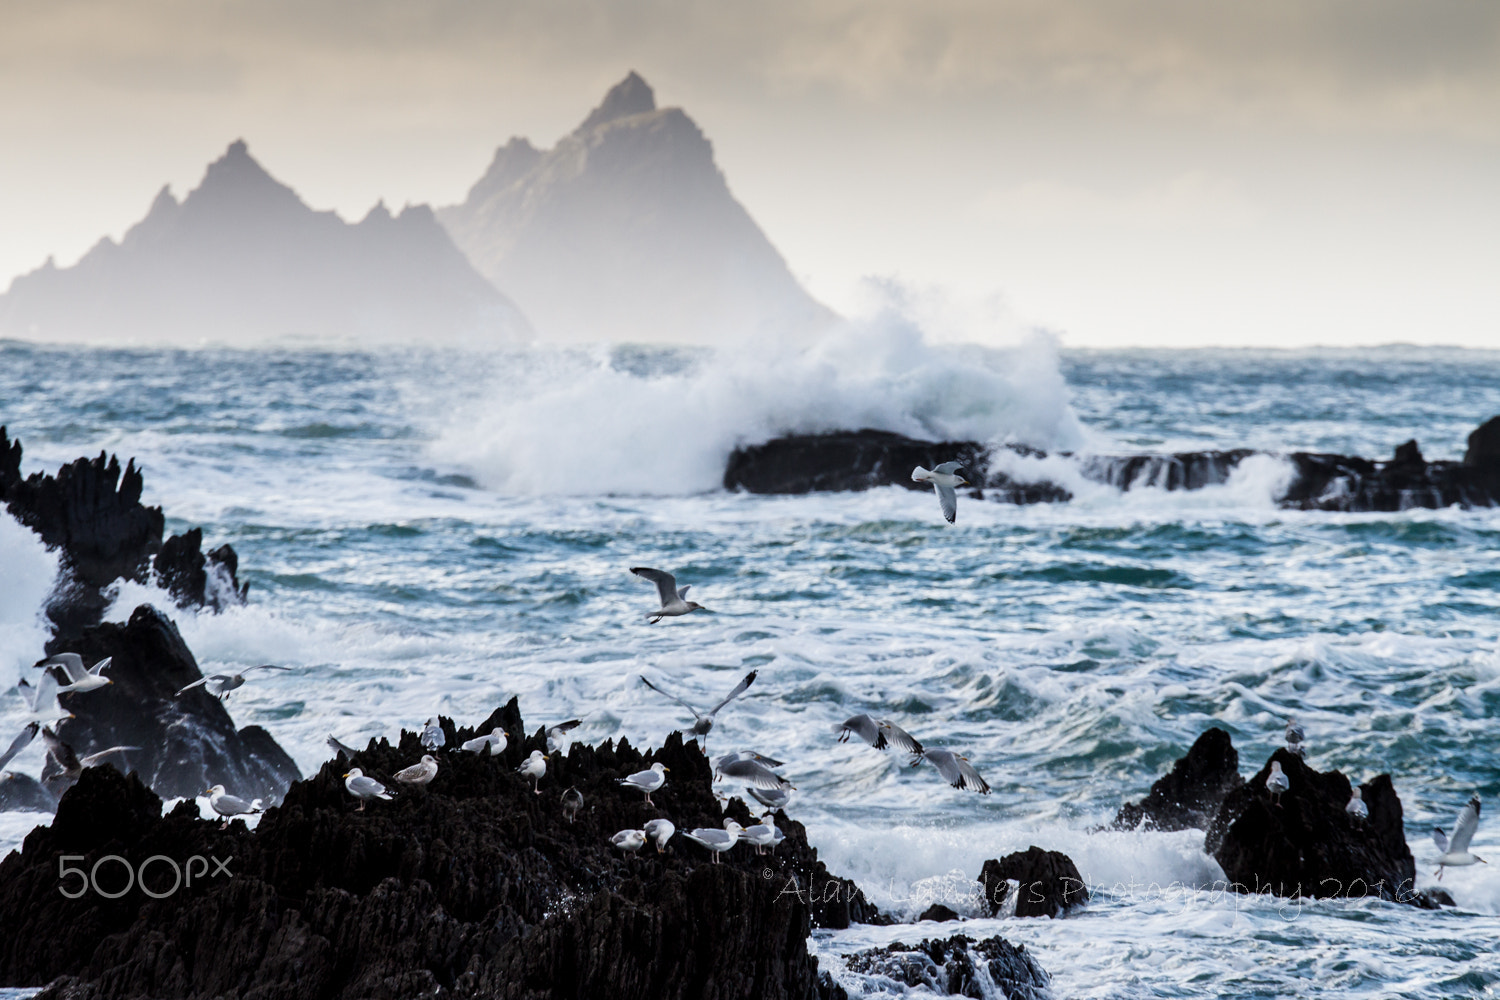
x=243, y=257
x=627, y=230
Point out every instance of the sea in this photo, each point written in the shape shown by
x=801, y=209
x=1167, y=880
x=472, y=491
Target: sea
x=432, y=531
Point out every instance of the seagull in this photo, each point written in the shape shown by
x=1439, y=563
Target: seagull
x=572, y=801
x=771, y=798
x=1456, y=851
x=898, y=737
x=556, y=733
x=945, y=477
x=340, y=748
x=534, y=767
x=221, y=684
x=496, y=741
x=62, y=767
x=716, y=840
x=659, y=831
x=751, y=770
x=419, y=774
x=21, y=742
x=759, y=758
x=1294, y=737
x=432, y=735
x=1277, y=782
x=703, y=723
x=955, y=769
x=43, y=700
x=229, y=806
x=364, y=788
x=80, y=678
x=865, y=728
x=629, y=841
x=1357, y=810
x=762, y=835
x=648, y=780
x=674, y=600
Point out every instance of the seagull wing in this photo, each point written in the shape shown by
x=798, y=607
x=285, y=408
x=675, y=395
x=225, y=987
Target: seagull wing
x=679, y=701
x=666, y=583
x=98, y=668
x=262, y=666
x=739, y=689
x=95, y=758
x=900, y=738
x=1440, y=839
x=950, y=468
x=340, y=748
x=948, y=499
x=197, y=683
x=865, y=728
x=947, y=764
x=60, y=752
x=755, y=773
x=70, y=663
x=971, y=777
x=231, y=805
x=21, y=742
x=564, y=727
x=1463, y=829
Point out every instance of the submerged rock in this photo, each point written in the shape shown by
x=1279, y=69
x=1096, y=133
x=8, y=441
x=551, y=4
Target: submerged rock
x=1049, y=883
x=956, y=966
x=1188, y=796
x=474, y=886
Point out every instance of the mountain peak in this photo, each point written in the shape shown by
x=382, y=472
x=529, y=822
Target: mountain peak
x=631, y=96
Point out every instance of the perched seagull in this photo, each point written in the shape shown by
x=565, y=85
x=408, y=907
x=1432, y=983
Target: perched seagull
x=1295, y=735
x=751, y=770
x=340, y=749
x=771, y=798
x=945, y=477
x=899, y=738
x=762, y=835
x=865, y=728
x=432, y=735
x=364, y=788
x=80, y=678
x=659, y=831
x=1456, y=851
x=43, y=700
x=572, y=801
x=1277, y=782
x=556, y=733
x=674, y=600
x=716, y=840
x=534, y=767
x=220, y=685
x=629, y=841
x=21, y=742
x=703, y=723
x=1357, y=810
x=229, y=806
x=62, y=767
x=647, y=781
x=955, y=769
x=419, y=774
x=496, y=741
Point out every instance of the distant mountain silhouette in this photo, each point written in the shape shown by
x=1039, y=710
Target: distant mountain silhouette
x=626, y=230
x=242, y=257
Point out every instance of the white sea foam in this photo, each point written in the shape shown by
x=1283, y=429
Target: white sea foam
x=29, y=574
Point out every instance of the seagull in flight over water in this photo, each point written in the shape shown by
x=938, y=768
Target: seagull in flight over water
x=674, y=600
x=220, y=685
x=1456, y=851
x=703, y=722
x=945, y=477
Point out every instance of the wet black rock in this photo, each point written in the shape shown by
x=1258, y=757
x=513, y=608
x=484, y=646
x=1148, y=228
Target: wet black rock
x=187, y=743
x=23, y=793
x=955, y=966
x=845, y=460
x=474, y=886
x=195, y=577
x=1049, y=883
x=1188, y=796
x=1406, y=481
x=1307, y=845
x=938, y=914
x=1484, y=445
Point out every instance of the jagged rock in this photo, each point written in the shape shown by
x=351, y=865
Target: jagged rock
x=1184, y=470
x=187, y=743
x=193, y=577
x=938, y=913
x=1484, y=445
x=1049, y=883
x=956, y=966
x=1188, y=796
x=846, y=460
x=1307, y=845
x=474, y=886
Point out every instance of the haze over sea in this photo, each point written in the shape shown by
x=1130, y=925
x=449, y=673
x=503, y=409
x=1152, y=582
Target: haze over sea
x=435, y=531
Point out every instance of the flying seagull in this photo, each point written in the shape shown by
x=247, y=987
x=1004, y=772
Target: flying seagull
x=955, y=769
x=898, y=737
x=751, y=770
x=62, y=767
x=865, y=728
x=364, y=788
x=647, y=781
x=21, y=742
x=945, y=477
x=220, y=685
x=43, y=700
x=556, y=733
x=704, y=722
x=674, y=600
x=1456, y=851
x=229, y=806
x=80, y=678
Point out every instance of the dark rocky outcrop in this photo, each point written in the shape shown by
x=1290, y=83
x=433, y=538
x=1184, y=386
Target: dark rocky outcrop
x=473, y=887
x=938, y=914
x=1188, y=796
x=1484, y=445
x=1049, y=883
x=955, y=966
x=1307, y=845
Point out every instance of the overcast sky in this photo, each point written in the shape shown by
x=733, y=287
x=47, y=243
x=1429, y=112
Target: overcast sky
x=1175, y=173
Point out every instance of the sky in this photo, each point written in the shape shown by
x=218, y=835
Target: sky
x=1168, y=173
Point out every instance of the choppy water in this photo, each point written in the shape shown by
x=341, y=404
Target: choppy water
x=435, y=532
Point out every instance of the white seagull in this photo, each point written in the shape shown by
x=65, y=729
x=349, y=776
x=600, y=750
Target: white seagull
x=534, y=767
x=229, y=806
x=364, y=788
x=1456, y=851
x=749, y=769
x=555, y=734
x=629, y=841
x=762, y=835
x=945, y=477
x=21, y=742
x=716, y=840
x=865, y=728
x=420, y=773
x=955, y=769
x=432, y=735
x=220, y=685
x=659, y=831
x=674, y=600
x=702, y=722
x=647, y=781
x=1277, y=782
x=80, y=678
x=43, y=700
x=772, y=799
x=497, y=741
x=1357, y=810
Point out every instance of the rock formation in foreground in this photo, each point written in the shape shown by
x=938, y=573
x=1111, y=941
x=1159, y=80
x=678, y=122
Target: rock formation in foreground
x=242, y=258
x=472, y=887
x=1188, y=796
x=956, y=966
x=1048, y=883
x=861, y=460
x=626, y=230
